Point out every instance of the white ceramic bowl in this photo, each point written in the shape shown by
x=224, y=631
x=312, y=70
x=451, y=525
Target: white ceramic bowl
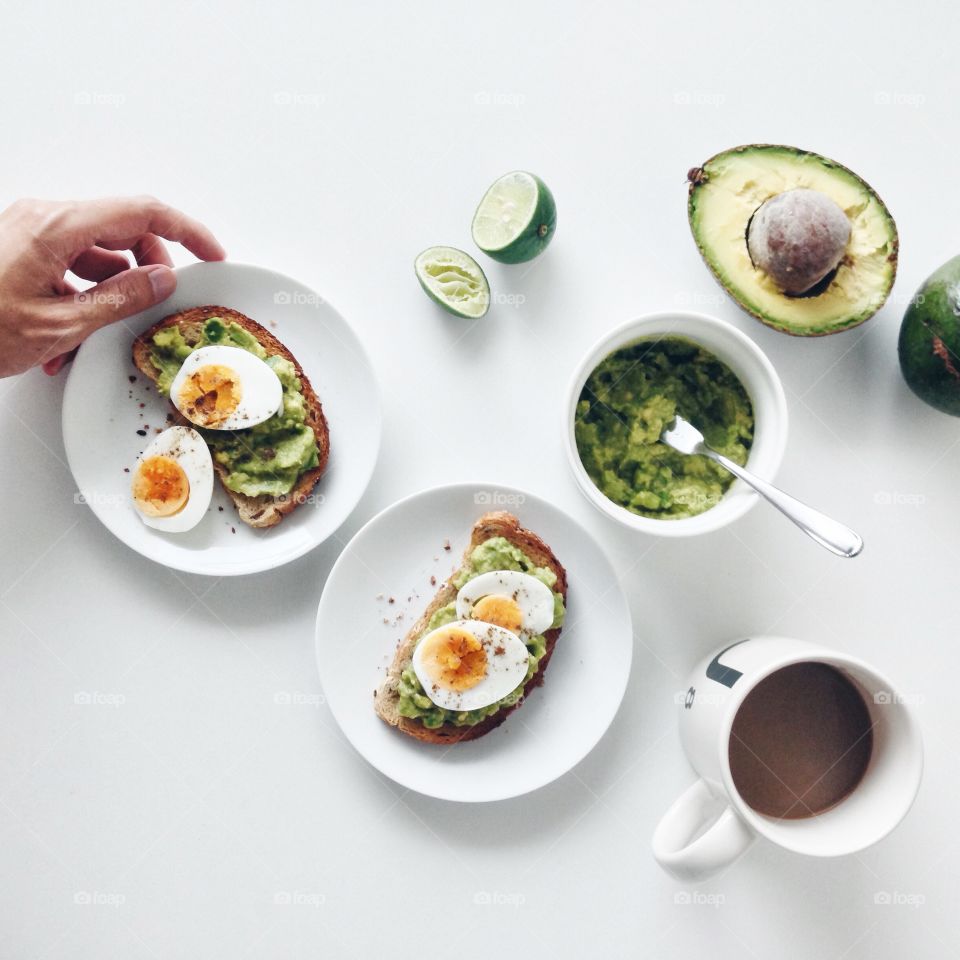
x=755, y=372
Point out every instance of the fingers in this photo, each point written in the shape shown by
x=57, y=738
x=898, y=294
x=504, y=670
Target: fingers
x=98, y=264
x=123, y=222
x=54, y=366
x=120, y=296
x=151, y=249
x=86, y=237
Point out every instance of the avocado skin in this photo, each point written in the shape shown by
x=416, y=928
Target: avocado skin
x=929, y=344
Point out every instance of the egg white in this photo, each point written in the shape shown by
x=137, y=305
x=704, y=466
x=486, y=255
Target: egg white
x=261, y=393
x=532, y=596
x=190, y=450
x=505, y=671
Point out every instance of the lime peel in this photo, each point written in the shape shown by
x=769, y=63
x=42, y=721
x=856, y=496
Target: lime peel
x=454, y=280
x=516, y=218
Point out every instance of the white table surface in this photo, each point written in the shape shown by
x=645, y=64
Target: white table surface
x=186, y=811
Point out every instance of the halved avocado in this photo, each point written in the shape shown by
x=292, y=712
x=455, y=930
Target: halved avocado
x=929, y=345
x=725, y=193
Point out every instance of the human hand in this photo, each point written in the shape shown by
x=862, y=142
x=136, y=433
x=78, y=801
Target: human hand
x=43, y=318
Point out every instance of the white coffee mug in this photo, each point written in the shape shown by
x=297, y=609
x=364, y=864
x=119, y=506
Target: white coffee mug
x=710, y=825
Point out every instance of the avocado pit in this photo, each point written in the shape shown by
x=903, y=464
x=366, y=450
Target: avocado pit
x=798, y=238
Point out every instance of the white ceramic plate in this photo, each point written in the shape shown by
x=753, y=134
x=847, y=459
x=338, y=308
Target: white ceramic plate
x=102, y=414
x=395, y=555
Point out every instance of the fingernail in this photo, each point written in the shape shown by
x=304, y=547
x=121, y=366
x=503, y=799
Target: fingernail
x=162, y=280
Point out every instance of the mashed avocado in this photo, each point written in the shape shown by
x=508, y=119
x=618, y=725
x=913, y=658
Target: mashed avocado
x=497, y=553
x=625, y=405
x=269, y=458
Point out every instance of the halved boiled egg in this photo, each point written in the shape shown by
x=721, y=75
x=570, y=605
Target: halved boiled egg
x=173, y=480
x=467, y=664
x=513, y=600
x=226, y=388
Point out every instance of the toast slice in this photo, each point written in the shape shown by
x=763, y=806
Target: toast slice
x=262, y=511
x=386, y=698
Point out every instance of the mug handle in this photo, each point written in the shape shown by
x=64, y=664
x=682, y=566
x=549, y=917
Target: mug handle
x=710, y=851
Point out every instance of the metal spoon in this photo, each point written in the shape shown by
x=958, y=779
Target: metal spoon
x=684, y=437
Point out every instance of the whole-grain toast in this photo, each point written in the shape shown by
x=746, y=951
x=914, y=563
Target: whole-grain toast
x=386, y=698
x=262, y=511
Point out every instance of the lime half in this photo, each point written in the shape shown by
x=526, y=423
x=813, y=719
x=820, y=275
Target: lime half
x=516, y=219
x=454, y=280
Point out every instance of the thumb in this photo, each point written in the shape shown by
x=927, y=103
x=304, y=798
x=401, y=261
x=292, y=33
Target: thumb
x=123, y=295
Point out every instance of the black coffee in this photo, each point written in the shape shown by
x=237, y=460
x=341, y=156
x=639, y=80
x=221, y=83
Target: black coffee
x=800, y=742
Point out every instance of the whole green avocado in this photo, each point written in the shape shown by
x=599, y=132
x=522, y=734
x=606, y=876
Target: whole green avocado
x=929, y=345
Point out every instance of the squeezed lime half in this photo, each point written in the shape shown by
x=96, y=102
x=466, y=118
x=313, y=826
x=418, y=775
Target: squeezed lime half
x=453, y=279
x=516, y=219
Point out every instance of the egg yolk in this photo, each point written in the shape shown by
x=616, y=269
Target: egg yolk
x=501, y=611
x=210, y=394
x=455, y=659
x=160, y=487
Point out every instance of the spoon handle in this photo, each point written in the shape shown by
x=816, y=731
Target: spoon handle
x=829, y=533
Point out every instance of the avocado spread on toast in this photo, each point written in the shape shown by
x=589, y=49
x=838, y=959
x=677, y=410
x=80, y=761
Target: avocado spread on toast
x=497, y=553
x=269, y=458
